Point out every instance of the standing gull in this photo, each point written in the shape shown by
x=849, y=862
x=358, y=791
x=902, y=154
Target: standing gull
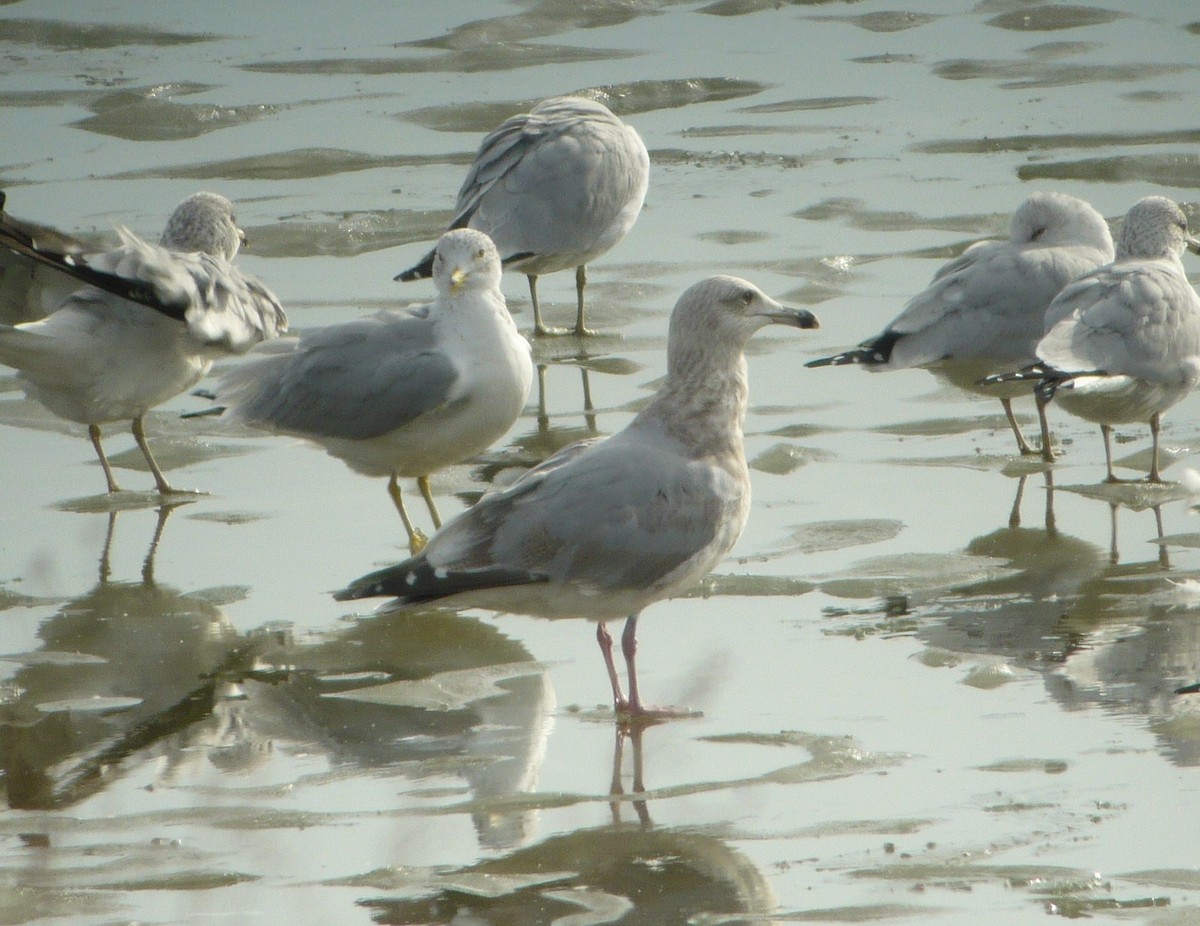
x=1122, y=343
x=984, y=311
x=145, y=326
x=603, y=528
x=555, y=188
x=402, y=393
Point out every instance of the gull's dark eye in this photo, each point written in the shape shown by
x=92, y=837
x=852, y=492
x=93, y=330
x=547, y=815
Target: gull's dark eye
x=747, y=296
x=480, y=254
x=1037, y=233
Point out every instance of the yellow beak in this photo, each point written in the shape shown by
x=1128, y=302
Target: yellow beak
x=458, y=279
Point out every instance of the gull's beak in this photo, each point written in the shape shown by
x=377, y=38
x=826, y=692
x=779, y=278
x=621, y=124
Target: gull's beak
x=242, y=238
x=1192, y=244
x=458, y=279
x=795, y=318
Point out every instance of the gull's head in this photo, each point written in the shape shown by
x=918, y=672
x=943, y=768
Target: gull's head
x=204, y=222
x=465, y=259
x=1155, y=227
x=1049, y=219
x=725, y=310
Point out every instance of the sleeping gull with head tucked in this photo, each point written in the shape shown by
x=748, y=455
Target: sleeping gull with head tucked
x=146, y=325
x=401, y=393
x=1122, y=343
x=555, y=188
x=605, y=527
x=984, y=311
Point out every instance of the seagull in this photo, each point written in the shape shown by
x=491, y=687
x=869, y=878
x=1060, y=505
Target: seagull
x=401, y=393
x=144, y=323
x=555, y=188
x=1122, y=343
x=984, y=311
x=605, y=527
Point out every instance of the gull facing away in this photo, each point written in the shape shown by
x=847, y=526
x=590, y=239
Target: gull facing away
x=605, y=527
x=1122, y=343
x=144, y=323
x=555, y=188
x=401, y=393
x=984, y=311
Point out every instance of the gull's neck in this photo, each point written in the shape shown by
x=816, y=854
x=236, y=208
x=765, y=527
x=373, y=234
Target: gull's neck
x=702, y=403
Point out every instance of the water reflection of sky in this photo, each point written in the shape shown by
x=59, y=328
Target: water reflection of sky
x=902, y=687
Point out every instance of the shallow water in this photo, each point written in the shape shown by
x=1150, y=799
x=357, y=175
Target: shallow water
x=929, y=685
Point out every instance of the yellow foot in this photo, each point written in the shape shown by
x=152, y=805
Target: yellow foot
x=416, y=542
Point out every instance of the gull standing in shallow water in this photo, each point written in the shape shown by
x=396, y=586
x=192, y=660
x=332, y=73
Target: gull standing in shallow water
x=401, y=393
x=1122, y=343
x=146, y=325
x=605, y=527
x=555, y=188
x=984, y=311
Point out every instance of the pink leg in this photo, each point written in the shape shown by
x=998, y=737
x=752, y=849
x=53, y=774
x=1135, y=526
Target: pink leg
x=604, y=638
x=629, y=649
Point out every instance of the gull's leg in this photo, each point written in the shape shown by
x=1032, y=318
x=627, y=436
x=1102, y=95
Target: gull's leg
x=416, y=540
x=604, y=638
x=1155, y=423
x=94, y=435
x=1114, y=553
x=1022, y=444
x=1047, y=446
x=427, y=494
x=139, y=435
x=1106, y=433
x=540, y=330
x=581, y=330
x=629, y=650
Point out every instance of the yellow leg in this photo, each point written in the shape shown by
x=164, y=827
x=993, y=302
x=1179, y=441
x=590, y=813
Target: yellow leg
x=139, y=435
x=427, y=494
x=94, y=435
x=416, y=540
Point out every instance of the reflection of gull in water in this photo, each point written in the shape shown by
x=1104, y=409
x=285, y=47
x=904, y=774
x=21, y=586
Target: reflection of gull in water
x=146, y=325
x=630, y=872
x=122, y=669
x=400, y=393
x=423, y=695
x=605, y=527
x=555, y=188
x=1122, y=344
x=984, y=311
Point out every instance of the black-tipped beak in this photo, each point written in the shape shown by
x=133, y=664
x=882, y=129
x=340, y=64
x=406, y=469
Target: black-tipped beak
x=795, y=318
x=1192, y=244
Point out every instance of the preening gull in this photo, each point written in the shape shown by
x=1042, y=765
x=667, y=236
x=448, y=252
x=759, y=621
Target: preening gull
x=984, y=312
x=605, y=527
x=1122, y=343
x=146, y=324
x=401, y=393
x=555, y=188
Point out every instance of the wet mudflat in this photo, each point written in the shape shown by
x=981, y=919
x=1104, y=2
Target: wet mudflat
x=936, y=680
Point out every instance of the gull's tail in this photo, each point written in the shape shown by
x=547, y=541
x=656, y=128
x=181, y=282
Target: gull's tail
x=415, y=580
x=422, y=270
x=874, y=352
x=1046, y=379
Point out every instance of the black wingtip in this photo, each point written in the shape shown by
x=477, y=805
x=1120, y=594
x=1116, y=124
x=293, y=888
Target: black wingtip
x=420, y=271
x=1189, y=689
x=415, y=580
